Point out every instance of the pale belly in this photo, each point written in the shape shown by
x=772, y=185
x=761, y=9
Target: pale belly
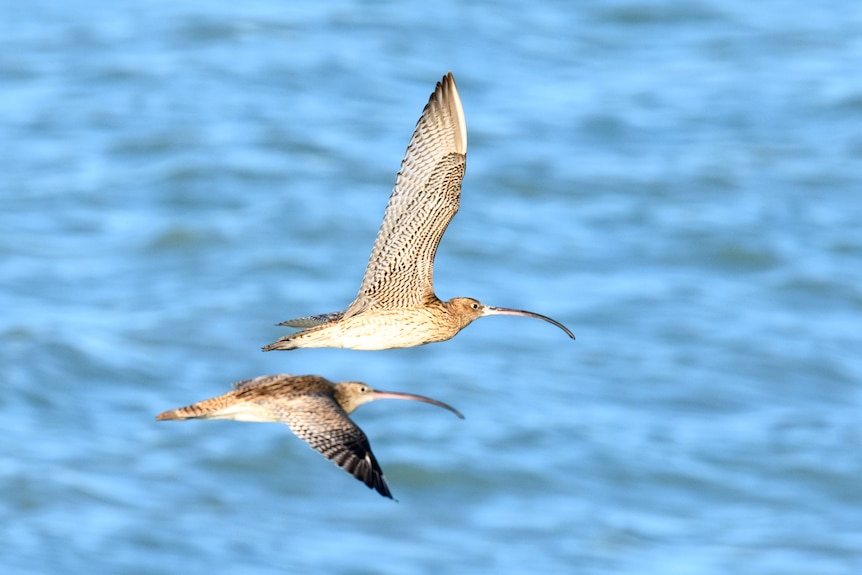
x=394, y=329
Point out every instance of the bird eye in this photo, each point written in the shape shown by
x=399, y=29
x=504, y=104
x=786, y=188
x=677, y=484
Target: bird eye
x=475, y=305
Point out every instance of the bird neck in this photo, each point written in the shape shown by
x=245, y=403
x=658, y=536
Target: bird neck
x=348, y=401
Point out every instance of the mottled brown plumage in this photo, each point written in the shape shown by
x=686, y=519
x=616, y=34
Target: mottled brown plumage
x=314, y=408
x=396, y=305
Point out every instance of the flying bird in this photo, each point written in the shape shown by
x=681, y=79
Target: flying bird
x=396, y=305
x=314, y=408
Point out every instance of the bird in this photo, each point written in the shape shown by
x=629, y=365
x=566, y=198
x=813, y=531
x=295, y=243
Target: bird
x=396, y=306
x=315, y=409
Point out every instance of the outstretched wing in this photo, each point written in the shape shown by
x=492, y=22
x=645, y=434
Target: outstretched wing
x=325, y=426
x=425, y=199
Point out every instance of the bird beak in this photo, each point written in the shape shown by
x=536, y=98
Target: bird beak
x=393, y=395
x=490, y=310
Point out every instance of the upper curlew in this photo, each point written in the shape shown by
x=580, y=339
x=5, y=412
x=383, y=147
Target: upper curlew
x=314, y=408
x=396, y=305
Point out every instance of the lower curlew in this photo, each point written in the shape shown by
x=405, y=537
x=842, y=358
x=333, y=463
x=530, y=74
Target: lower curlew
x=315, y=409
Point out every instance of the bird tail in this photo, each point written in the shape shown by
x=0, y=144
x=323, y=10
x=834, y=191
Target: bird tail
x=286, y=342
x=221, y=407
x=312, y=324
x=183, y=413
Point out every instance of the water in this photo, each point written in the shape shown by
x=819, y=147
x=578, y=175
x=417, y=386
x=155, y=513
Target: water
x=677, y=182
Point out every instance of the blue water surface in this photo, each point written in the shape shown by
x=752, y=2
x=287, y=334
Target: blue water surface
x=678, y=182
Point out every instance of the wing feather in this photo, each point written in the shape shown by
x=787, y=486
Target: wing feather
x=314, y=320
x=325, y=426
x=262, y=381
x=425, y=199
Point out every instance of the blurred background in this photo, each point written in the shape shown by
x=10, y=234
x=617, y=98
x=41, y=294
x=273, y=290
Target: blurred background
x=678, y=182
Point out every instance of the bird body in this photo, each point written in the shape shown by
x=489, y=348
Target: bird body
x=385, y=329
x=314, y=408
x=396, y=305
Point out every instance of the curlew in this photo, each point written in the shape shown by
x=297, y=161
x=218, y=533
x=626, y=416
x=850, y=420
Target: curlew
x=314, y=408
x=396, y=305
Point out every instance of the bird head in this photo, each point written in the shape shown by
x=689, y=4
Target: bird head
x=352, y=394
x=468, y=309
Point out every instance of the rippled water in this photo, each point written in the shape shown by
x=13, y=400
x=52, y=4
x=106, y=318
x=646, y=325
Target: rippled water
x=679, y=183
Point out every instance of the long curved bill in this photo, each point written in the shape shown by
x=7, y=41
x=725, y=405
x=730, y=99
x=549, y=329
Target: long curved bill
x=490, y=310
x=393, y=395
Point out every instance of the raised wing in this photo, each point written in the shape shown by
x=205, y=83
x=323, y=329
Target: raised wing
x=325, y=426
x=426, y=197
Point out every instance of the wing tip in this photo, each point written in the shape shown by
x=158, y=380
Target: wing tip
x=450, y=98
x=382, y=487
